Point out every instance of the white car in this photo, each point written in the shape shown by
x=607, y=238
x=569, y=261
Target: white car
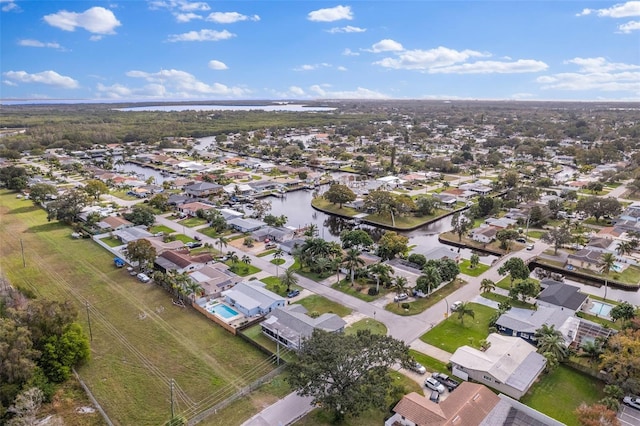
x=143, y=278
x=455, y=305
x=632, y=401
x=418, y=368
x=401, y=296
x=433, y=384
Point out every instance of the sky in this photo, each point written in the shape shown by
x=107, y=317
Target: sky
x=169, y=50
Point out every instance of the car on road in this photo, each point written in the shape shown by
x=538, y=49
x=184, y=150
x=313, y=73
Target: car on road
x=400, y=297
x=632, y=401
x=455, y=305
x=530, y=247
x=193, y=244
x=418, y=368
x=521, y=240
x=433, y=384
x=293, y=293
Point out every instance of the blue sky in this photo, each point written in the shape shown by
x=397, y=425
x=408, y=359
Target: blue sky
x=276, y=49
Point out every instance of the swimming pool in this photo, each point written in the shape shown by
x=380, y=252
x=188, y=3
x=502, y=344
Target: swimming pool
x=599, y=308
x=224, y=311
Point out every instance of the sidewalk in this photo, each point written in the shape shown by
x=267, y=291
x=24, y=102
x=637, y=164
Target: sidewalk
x=430, y=350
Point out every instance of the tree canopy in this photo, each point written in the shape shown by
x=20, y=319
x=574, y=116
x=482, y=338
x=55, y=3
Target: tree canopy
x=339, y=194
x=347, y=374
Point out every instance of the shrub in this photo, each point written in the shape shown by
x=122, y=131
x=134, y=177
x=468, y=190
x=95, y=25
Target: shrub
x=372, y=291
x=405, y=306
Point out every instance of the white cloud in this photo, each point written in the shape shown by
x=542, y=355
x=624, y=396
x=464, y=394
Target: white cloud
x=621, y=10
x=349, y=52
x=331, y=14
x=386, y=45
x=37, y=43
x=341, y=68
x=50, y=78
x=523, y=95
x=629, y=27
x=427, y=59
x=230, y=17
x=217, y=65
x=600, y=65
x=186, y=17
x=191, y=6
x=359, y=93
x=9, y=5
x=347, y=29
x=492, y=67
x=296, y=91
x=202, y=35
x=595, y=74
x=9, y=83
x=311, y=67
x=180, y=84
x=182, y=5
x=96, y=20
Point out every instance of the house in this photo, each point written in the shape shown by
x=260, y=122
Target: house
x=446, y=199
x=134, y=233
x=586, y=258
x=291, y=325
x=471, y=404
x=501, y=223
x=523, y=323
x=181, y=261
x=438, y=253
x=290, y=245
x=214, y=279
x=484, y=234
x=252, y=298
x=245, y=225
x=202, y=189
x=561, y=295
x=114, y=222
x=278, y=234
x=191, y=209
x=510, y=365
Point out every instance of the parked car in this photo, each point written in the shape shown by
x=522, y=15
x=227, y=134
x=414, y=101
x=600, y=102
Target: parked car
x=293, y=293
x=143, y=277
x=270, y=246
x=521, y=240
x=435, y=396
x=418, y=368
x=455, y=305
x=401, y=296
x=530, y=247
x=632, y=401
x=419, y=293
x=433, y=384
x=445, y=380
x=193, y=244
x=197, y=237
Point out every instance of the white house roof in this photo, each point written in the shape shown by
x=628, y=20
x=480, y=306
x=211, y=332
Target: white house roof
x=251, y=296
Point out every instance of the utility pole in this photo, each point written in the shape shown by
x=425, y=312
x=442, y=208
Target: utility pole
x=89, y=320
x=172, y=414
x=24, y=263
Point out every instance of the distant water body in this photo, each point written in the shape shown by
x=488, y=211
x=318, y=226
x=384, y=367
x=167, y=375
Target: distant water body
x=283, y=107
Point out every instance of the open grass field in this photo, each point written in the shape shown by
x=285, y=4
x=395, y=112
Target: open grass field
x=375, y=327
x=323, y=305
x=465, y=268
x=451, y=333
x=419, y=305
x=161, y=228
x=141, y=341
x=560, y=392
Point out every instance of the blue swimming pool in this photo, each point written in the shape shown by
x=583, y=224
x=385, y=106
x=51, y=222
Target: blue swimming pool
x=599, y=308
x=224, y=311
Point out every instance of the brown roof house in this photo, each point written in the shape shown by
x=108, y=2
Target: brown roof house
x=510, y=365
x=181, y=261
x=472, y=404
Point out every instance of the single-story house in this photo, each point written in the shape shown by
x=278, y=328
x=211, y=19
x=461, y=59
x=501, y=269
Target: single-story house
x=510, y=365
x=229, y=214
x=472, y=404
x=501, y=223
x=562, y=295
x=134, y=233
x=446, y=199
x=438, y=253
x=202, y=189
x=290, y=245
x=291, y=325
x=272, y=233
x=178, y=199
x=114, y=222
x=586, y=258
x=214, y=279
x=524, y=323
x=192, y=208
x=245, y=225
x=252, y=298
x=181, y=261
x=484, y=234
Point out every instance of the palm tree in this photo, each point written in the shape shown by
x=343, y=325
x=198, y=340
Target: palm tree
x=546, y=331
x=624, y=247
x=474, y=260
x=352, y=261
x=311, y=230
x=465, y=309
x=222, y=241
x=192, y=289
x=246, y=260
x=278, y=254
x=233, y=257
x=606, y=263
x=487, y=286
x=430, y=278
x=322, y=264
x=592, y=349
x=553, y=344
x=400, y=285
x=336, y=262
x=382, y=272
x=288, y=278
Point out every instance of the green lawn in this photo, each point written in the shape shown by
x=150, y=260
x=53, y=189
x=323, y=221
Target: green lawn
x=430, y=363
x=417, y=305
x=255, y=334
x=465, y=268
x=559, y=393
x=501, y=298
x=211, y=232
x=192, y=221
x=266, y=253
x=122, y=194
x=375, y=327
x=140, y=339
x=358, y=290
x=321, y=305
x=161, y=228
x=242, y=269
x=325, y=205
x=185, y=239
x=450, y=334
x=402, y=222
x=278, y=261
x=274, y=285
x=111, y=241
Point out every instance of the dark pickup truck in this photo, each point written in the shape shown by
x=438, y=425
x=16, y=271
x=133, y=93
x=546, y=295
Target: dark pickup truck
x=446, y=381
